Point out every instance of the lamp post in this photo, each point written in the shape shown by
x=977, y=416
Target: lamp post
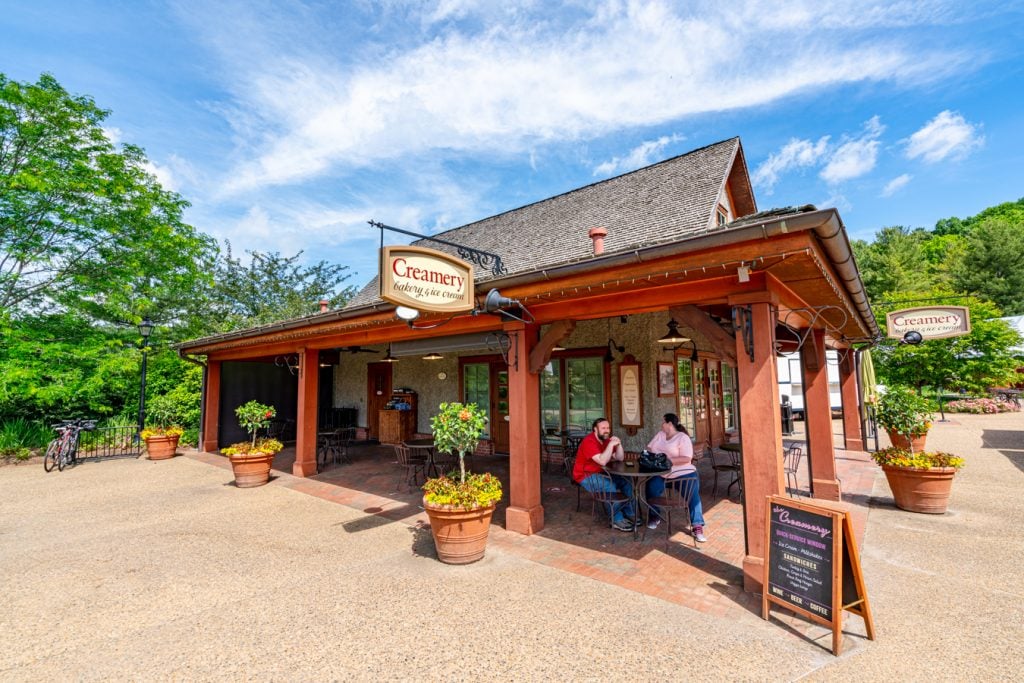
x=145, y=329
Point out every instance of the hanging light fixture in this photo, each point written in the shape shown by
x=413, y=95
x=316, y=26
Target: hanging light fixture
x=389, y=358
x=673, y=336
x=433, y=355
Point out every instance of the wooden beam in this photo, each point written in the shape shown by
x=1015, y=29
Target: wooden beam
x=541, y=353
x=692, y=316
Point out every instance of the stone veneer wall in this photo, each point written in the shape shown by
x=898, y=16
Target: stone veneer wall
x=639, y=335
x=411, y=372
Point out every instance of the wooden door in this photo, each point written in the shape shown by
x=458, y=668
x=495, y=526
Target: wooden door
x=716, y=414
x=378, y=393
x=499, y=407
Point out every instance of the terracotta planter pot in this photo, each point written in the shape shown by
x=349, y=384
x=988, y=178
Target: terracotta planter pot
x=920, y=490
x=162, y=447
x=252, y=469
x=460, y=535
x=900, y=441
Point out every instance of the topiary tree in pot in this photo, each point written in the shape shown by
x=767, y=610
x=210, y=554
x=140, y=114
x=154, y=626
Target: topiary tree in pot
x=460, y=509
x=251, y=460
x=906, y=416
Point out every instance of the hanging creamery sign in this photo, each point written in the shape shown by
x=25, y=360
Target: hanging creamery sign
x=933, y=322
x=425, y=279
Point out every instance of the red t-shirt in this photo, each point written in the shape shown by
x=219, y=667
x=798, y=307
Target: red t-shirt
x=585, y=465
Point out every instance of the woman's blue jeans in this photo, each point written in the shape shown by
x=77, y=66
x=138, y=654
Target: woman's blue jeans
x=656, y=487
x=602, y=484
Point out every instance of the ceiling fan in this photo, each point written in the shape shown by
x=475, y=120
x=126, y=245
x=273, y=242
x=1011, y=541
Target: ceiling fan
x=357, y=349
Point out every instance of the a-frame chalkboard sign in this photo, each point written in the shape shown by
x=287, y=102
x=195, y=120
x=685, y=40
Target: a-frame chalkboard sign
x=811, y=564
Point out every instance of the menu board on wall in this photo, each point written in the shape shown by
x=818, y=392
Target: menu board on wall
x=631, y=407
x=811, y=564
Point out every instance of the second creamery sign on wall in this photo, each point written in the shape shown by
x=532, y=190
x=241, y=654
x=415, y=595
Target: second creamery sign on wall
x=425, y=279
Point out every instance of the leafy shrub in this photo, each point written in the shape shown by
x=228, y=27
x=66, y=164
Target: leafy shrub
x=21, y=433
x=901, y=410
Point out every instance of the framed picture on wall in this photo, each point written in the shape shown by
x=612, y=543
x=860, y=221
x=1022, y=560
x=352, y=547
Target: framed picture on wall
x=666, y=379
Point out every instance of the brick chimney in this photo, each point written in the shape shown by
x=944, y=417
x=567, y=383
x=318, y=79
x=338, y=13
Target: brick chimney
x=598, y=235
x=324, y=303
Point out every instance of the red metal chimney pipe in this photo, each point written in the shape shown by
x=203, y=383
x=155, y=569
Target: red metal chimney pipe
x=598, y=235
x=324, y=303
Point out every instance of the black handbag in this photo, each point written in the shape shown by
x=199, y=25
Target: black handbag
x=654, y=462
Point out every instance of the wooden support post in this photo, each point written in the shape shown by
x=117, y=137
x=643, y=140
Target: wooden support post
x=818, y=418
x=211, y=418
x=853, y=438
x=525, y=514
x=760, y=432
x=305, y=421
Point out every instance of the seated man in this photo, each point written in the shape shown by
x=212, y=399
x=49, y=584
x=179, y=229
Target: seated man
x=596, y=450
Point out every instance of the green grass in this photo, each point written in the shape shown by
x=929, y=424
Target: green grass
x=20, y=433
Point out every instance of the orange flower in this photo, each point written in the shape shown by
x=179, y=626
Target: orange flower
x=464, y=415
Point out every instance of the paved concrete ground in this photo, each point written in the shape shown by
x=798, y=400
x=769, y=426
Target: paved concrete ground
x=145, y=570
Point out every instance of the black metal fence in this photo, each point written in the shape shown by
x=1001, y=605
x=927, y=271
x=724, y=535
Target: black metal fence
x=110, y=442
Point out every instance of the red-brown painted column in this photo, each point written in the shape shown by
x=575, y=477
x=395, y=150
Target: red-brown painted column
x=852, y=435
x=818, y=418
x=760, y=430
x=525, y=513
x=211, y=416
x=305, y=427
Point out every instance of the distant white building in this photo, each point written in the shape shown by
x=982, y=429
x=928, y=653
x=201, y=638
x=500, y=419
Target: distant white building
x=791, y=384
x=1017, y=322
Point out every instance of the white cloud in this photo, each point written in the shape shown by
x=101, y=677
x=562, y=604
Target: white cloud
x=948, y=135
x=855, y=157
x=794, y=154
x=536, y=76
x=896, y=184
x=642, y=155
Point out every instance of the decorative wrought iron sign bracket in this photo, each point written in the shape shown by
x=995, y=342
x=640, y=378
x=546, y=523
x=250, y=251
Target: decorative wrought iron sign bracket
x=478, y=257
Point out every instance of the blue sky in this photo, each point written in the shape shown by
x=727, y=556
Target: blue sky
x=288, y=125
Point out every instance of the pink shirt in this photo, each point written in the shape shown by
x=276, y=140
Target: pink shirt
x=679, y=450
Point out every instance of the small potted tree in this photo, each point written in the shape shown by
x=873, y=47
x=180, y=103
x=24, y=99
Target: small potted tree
x=162, y=434
x=251, y=460
x=920, y=481
x=906, y=417
x=460, y=509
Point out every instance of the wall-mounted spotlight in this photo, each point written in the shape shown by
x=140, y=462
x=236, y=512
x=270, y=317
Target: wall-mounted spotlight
x=407, y=314
x=496, y=304
x=912, y=337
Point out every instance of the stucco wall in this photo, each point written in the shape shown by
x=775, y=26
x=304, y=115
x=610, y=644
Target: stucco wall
x=638, y=334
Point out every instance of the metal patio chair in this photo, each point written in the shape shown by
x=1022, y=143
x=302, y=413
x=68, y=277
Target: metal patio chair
x=677, y=495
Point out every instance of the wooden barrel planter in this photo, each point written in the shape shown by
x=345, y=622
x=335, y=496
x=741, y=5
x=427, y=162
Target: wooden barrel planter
x=162, y=447
x=251, y=469
x=920, y=490
x=460, y=534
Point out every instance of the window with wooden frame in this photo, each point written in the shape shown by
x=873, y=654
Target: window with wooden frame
x=574, y=390
x=729, y=396
x=687, y=407
x=722, y=215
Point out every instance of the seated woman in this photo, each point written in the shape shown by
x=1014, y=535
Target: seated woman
x=674, y=441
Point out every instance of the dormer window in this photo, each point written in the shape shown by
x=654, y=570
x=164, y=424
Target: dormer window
x=723, y=216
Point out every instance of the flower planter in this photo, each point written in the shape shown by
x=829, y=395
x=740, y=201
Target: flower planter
x=920, y=490
x=460, y=534
x=252, y=469
x=900, y=441
x=161, y=447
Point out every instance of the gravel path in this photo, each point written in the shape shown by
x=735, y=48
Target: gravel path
x=138, y=570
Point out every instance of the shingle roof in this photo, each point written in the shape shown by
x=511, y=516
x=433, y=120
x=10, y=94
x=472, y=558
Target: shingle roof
x=666, y=202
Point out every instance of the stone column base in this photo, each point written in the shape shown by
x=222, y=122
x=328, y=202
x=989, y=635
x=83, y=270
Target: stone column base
x=826, y=489
x=753, y=573
x=524, y=521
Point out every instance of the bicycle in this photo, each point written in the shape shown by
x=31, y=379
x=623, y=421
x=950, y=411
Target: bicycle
x=63, y=450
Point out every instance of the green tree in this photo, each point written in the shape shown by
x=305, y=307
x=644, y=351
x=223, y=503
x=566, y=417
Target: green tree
x=895, y=261
x=972, y=362
x=992, y=266
x=82, y=224
x=272, y=287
